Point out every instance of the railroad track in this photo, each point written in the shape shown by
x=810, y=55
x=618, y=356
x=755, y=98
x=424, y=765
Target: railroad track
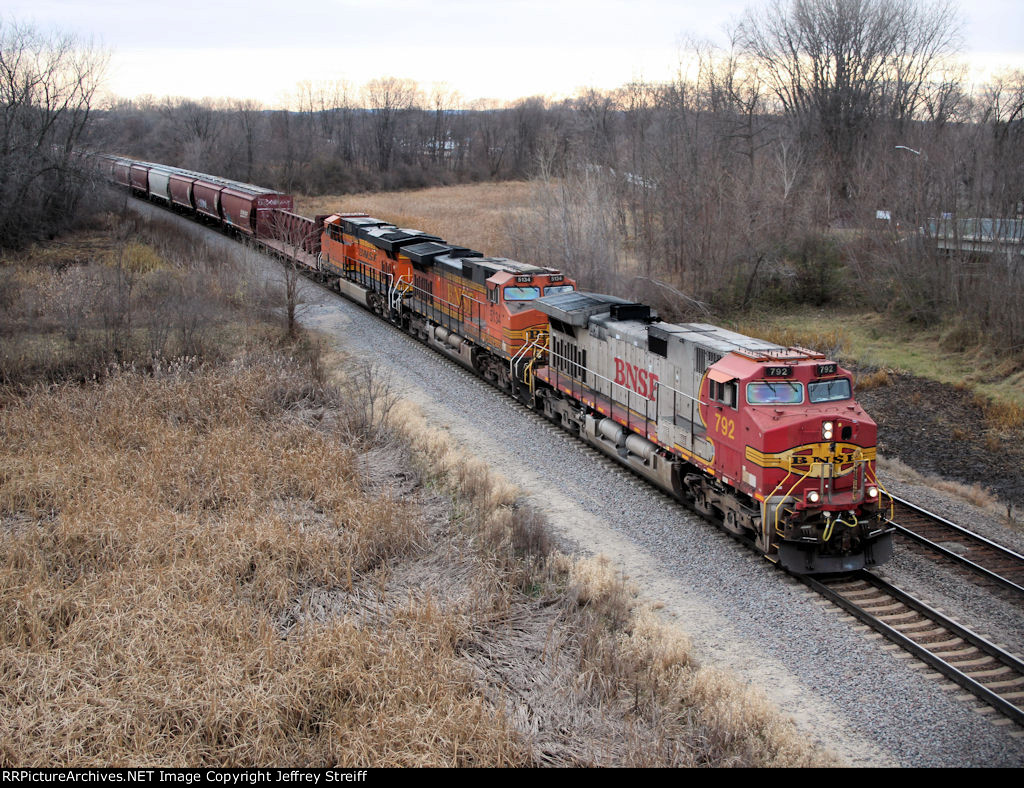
x=985, y=670
x=979, y=555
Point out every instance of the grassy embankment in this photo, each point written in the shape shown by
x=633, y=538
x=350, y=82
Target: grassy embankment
x=227, y=557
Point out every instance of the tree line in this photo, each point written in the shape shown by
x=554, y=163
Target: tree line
x=802, y=163
x=334, y=138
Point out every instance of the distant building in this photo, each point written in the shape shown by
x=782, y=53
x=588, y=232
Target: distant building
x=977, y=236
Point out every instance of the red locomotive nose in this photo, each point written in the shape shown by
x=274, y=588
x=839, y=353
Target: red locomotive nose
x=787, y=433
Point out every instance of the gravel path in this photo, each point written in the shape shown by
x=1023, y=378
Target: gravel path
x=846, y=689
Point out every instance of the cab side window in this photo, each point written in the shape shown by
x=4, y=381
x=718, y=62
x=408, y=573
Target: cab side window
x=723, y=393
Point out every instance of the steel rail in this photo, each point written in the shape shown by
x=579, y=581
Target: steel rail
x=947, y=669
x=971, y=537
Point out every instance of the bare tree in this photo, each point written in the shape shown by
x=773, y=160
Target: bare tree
x=48, y=83
x=332, y=103
x=248, y=113
x=293, y=234
x=836, y=66
x=443, y=102
x=569, y=228
x=198, y=129
x=388, y=98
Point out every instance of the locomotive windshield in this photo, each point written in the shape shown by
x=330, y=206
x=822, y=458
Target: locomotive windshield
x=775, y=393
x=829, y=390
x=552, y=289
x=521, y=293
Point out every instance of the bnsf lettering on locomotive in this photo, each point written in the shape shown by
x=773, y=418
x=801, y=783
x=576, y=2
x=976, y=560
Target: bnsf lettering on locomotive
x=636, y=379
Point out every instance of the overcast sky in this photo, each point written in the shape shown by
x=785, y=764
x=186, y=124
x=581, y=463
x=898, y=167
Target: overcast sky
x=502, y=49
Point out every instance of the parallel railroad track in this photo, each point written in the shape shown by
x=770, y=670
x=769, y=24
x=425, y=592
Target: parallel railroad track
x=977, y=554
x=987, y=671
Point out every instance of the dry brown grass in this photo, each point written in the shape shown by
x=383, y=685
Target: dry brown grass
x=830, y=341
x=473, y=215
x=155, y=534
x=975, y=494
x=626, y=689
x=1001, y=414
x=198, y=569
x=865, y=381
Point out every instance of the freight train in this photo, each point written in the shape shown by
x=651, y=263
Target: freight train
x=767, y=440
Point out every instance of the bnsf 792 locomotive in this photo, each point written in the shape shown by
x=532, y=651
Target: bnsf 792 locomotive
x=769, y=439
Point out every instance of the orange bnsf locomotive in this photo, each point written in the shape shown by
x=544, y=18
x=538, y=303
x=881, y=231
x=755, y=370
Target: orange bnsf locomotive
x=476, y=309
x=767, y=439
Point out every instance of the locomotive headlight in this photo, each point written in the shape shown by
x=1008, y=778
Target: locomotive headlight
x=826, y=430
x=872, y=492
x=813, y=496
